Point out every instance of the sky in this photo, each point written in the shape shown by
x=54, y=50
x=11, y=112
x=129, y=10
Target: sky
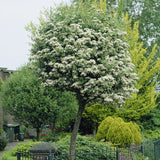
x=14, y=39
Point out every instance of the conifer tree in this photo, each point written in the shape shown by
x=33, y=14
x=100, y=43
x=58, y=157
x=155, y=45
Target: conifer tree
x=147, y=68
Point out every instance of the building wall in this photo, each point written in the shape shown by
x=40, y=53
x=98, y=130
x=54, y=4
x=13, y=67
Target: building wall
x=1, y=116
x=4, y=73
x=5, y=117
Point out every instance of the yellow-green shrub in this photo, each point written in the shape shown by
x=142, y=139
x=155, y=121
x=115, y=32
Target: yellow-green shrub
x=118, y=132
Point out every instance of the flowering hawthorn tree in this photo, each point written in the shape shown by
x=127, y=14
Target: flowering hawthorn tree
x=82, y=49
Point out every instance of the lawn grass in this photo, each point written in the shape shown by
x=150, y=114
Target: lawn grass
x=7, y=155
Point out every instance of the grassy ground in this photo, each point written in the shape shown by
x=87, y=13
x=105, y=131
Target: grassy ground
x=10, y=146
x=7, y=156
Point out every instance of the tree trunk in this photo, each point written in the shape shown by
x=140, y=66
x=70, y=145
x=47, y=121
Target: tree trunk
x=38, y=133
x=75, y=131
x=94, y=129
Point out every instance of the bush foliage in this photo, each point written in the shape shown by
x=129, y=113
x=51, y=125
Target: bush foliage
x=86, y=149
x=54, y=137
x=23, y=147
x=118, y=132
x=151, y=135
x=93, y=115
x=3, y=140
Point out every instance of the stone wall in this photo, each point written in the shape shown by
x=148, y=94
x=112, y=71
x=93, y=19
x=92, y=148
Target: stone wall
x=5, y=117
x=1, y=116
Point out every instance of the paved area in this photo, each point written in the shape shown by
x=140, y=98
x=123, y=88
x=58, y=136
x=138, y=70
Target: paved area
x=12, y=145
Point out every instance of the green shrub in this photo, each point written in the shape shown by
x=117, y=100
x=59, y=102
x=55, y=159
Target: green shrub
x=3, y=140
x=86, y=149
x=23, y=147
x=48, y=138
x=104, y=127
x=118, y=132
x=54, y=137
x=151, y=135
x=93, y=116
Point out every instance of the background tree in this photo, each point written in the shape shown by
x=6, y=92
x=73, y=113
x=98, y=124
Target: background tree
x=33, y=105
x=147, y=13
x=66, y=110
x=83, y=50
x=151, y=121
x=1, y=122
x=146, y=68
x=25, y=98
x=144, y=11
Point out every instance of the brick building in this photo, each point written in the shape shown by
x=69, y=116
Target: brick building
x=4, y=117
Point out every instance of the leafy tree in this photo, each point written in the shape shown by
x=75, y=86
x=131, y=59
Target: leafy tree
x=1, y=122
x=83, y=50
x=144, y=100
x=147, y=13
x=151, y=120
x=67, y=109
x=25, y=98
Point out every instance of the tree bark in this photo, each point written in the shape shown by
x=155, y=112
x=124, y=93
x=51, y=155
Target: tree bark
x=94, y=128
x=38, y=134
x=75, y=131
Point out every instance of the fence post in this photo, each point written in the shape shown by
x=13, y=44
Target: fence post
x=154, y=151
x=18, y=156
x=117, y=153
x=142, y=147
x=50, y=155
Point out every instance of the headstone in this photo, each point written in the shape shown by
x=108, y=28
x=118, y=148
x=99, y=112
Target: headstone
x=43, y=151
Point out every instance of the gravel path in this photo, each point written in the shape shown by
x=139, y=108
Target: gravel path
x=11, y=145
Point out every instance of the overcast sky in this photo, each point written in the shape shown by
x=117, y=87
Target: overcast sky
x=14, y=40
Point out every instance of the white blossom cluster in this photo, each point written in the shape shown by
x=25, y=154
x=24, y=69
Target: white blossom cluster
x=90, y=60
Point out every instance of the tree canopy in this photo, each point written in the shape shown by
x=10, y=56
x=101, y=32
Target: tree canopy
x=83, y=52
x=24, y=97
x=147, y=13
